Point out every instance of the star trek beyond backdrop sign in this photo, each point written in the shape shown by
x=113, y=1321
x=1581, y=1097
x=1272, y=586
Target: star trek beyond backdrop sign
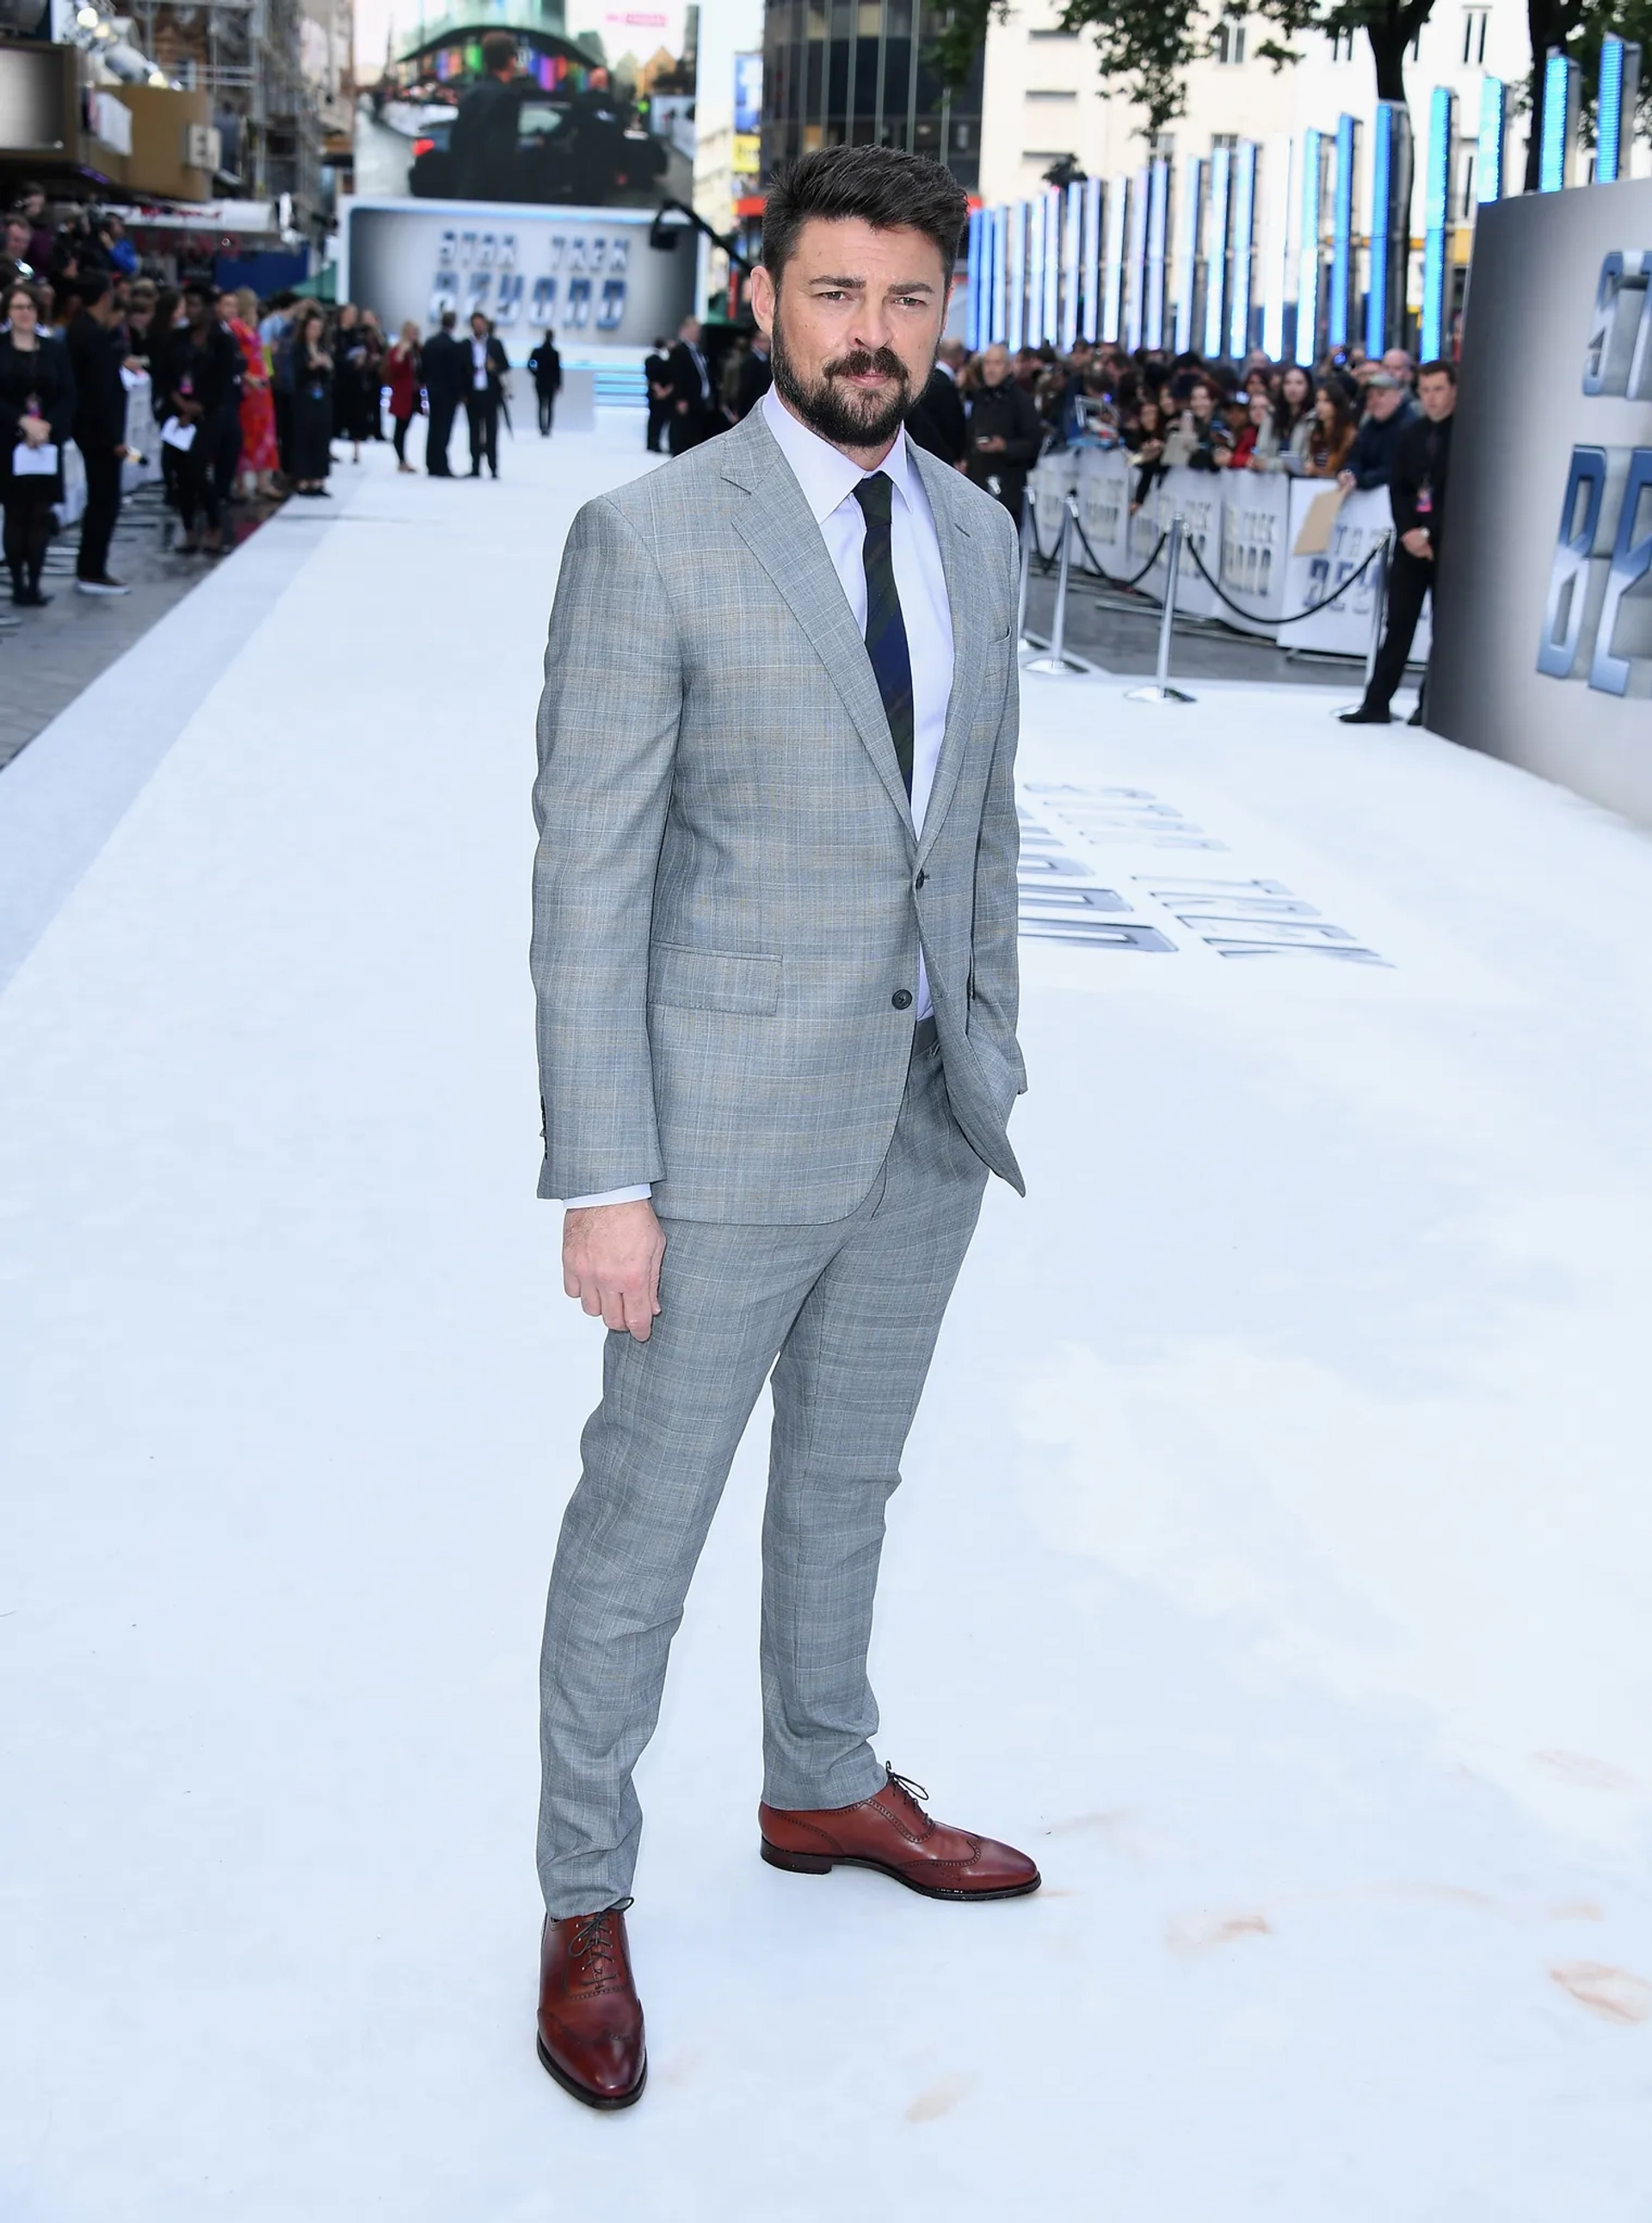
x=588, y=273
x=1543, y=655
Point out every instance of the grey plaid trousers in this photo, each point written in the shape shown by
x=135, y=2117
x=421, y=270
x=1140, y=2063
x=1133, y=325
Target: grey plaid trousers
x=846, y=1316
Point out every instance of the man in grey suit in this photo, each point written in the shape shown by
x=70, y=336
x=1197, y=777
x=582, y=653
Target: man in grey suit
x=774, y=956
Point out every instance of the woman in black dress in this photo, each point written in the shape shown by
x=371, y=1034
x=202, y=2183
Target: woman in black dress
x=312, y=400
x=36, y=410
x=355, y=381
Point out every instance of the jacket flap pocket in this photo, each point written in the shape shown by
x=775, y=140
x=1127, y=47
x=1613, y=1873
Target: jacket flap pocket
x=713, y=979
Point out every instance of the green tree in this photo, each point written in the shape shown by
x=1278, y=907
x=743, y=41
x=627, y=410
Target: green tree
x=1144, y=47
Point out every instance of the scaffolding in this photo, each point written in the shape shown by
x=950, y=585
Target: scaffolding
x=248, y=55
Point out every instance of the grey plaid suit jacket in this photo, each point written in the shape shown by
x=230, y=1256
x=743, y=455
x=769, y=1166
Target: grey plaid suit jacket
x=728, y=895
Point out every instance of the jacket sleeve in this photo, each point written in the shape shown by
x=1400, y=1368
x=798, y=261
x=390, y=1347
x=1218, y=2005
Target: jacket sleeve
x=1403, y=482
x=607, y=754
x=1367, y=459
x=994, y=973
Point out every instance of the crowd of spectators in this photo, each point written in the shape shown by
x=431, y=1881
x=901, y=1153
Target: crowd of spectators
x=247, y=401
x=1340, y=421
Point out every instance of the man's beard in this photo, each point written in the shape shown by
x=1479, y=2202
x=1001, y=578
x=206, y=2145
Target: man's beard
x=838, y=413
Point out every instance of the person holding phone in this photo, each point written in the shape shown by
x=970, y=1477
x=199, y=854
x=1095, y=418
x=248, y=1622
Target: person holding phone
x=1005, y=432
x=36, y=411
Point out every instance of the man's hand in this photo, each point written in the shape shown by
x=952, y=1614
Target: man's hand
x=610, y=1262
x=1417, y=542
x=1346, y=481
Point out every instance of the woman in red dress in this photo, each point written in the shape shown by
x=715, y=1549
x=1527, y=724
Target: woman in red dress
x=259, y=457
x=402, y=374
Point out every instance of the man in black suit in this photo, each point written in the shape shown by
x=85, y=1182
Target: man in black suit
x=481, y=146
x=935, y=420
x=95, y=344
x=1416, y=495
x=690, y=421
x=545, y=365
x=446, y=365
x=487, y=363
x=656, y=375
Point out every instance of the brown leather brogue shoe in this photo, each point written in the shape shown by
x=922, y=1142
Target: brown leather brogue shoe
x=591, y=2018
x=891, y=1832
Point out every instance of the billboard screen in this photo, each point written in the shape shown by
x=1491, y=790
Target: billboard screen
x=520, y=113
x=589, y=274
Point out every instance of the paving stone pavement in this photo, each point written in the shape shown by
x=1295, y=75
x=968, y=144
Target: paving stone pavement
x=47, y=656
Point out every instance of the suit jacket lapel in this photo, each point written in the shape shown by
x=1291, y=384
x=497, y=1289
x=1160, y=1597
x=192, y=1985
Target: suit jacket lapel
x=961, y=561
x=777, y=525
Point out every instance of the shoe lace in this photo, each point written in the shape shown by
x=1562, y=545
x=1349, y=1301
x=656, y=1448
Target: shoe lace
x=915, y=1791
x=592, y=1944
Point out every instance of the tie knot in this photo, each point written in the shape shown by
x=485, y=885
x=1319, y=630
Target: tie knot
x=874, y=495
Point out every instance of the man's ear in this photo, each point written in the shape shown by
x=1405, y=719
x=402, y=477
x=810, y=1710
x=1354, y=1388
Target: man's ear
x=762, y=294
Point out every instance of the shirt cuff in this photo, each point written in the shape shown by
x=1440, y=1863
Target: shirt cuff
x=638, y=1194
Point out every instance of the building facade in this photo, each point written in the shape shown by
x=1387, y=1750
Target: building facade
x=860, y=72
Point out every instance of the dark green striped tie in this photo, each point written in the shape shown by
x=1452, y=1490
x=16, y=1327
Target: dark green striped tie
x=891, y=662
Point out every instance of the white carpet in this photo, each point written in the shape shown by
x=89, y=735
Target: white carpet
x=1273, y=1560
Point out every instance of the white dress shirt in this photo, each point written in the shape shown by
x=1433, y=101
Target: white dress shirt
x=479, y=364
x=828, y=478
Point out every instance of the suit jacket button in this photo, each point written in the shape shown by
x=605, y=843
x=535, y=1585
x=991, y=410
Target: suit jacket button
x=902, y=999
x=919, y=881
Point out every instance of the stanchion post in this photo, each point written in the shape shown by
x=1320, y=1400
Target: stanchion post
x=1057, y=664
x=1378, y=609
x=1161, y=689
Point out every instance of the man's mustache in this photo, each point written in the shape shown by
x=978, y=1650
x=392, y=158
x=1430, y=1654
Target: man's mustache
x=863, y=362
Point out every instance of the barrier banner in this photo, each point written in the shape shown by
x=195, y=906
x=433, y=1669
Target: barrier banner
x=1256, y=542
x=1105, y=479
x=1345, y=628
x=1196, y=498
x=1049, y=483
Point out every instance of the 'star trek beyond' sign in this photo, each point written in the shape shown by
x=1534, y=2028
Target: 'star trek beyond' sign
x=588, y=274
x=1543, y=649
x=1595, y=626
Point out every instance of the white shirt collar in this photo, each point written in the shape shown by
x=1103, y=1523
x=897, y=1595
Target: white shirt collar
x=826, y=475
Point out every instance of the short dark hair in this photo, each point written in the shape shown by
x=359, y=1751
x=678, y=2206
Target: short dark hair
x=499, y=51
x=883, y=186
x=90, y=286
x=1441, y=366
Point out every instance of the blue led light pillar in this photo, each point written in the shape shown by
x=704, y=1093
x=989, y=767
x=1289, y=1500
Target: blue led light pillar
x=1135, y=315
x=1120, y=195
x=1015, y=323
x=1436, y=216
x=1620, y=88
x=1052, y=213
x=1185, y=273
x=1001, y=248
x=973, y=322
x=1219, y=205
x=1390, y=227
x=1309, y=289
x=1089, y=316
x=1238, y=299
x=1158, y=219
x=1491, y=154
x=1562, y=83
x=1347, y=153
